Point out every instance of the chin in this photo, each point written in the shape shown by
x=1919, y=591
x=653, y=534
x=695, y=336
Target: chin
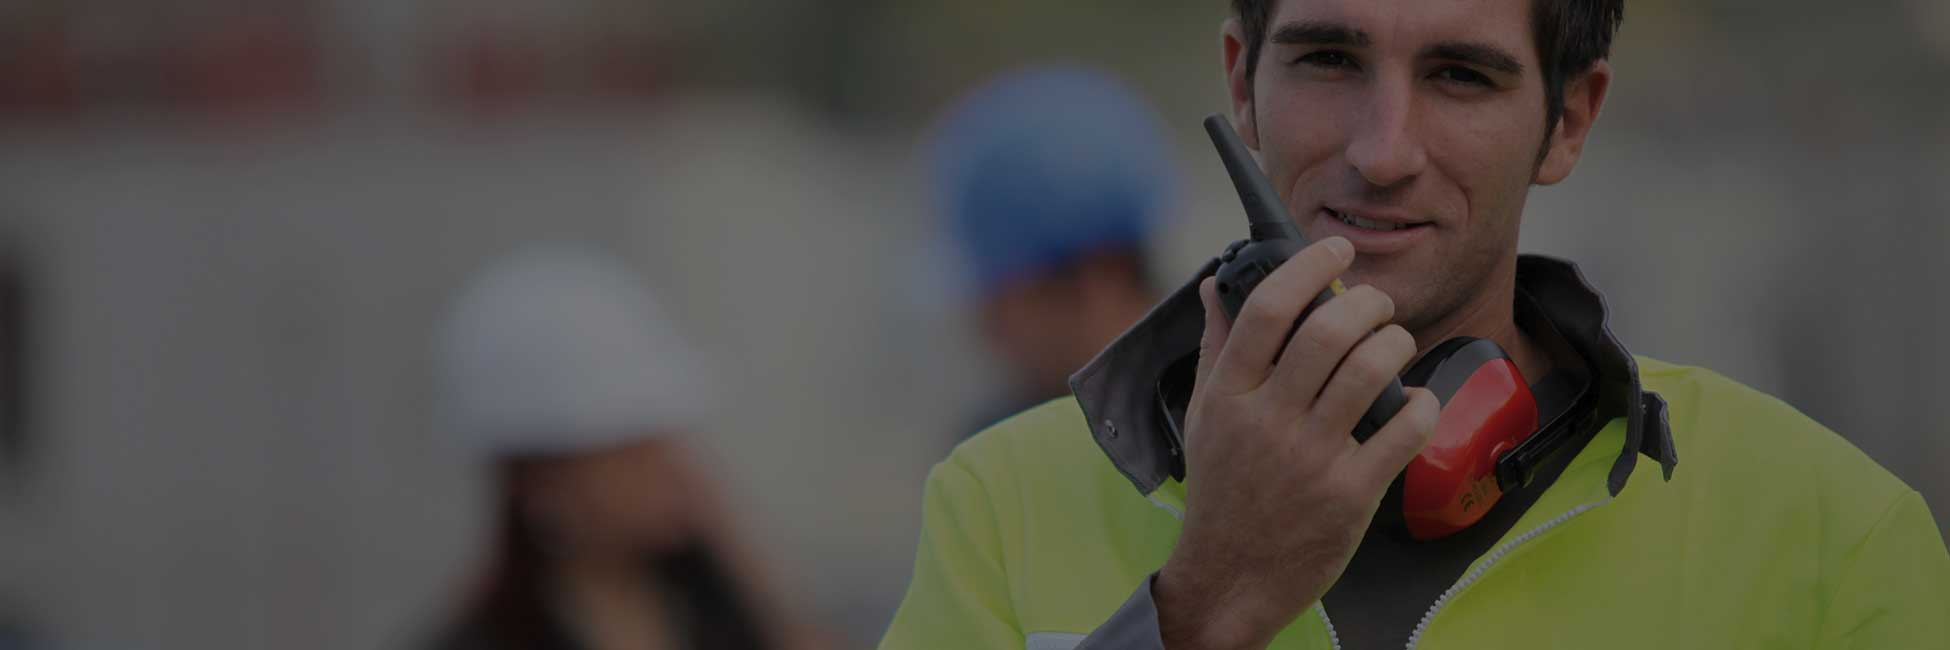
x=1411, y=288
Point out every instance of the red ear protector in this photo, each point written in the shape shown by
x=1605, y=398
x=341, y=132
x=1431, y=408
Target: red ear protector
x=1488, y=412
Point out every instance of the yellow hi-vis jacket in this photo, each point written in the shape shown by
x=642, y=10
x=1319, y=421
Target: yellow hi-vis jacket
x=1792, y=539
x=1777, y=534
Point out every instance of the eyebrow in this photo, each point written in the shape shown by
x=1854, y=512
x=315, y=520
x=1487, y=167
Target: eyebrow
x=1317, y=32
x=1477, y=54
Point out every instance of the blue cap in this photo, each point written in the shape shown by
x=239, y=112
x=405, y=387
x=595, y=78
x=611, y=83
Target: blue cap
x=1039, y=167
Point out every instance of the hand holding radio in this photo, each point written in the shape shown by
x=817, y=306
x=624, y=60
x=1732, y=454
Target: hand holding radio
x=1279, y=492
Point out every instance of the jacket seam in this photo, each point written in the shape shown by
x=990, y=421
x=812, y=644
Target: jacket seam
x=1854, y=556
x=994, y=534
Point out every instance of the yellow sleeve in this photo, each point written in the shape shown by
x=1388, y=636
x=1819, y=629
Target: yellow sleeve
x=1894, y=591
x=959, y=596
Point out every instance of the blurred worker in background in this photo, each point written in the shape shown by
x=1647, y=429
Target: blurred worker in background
x=1052, y=180
x=570, y=382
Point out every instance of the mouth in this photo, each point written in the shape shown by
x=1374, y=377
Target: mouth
x=1364, y=223
x=1373, y=233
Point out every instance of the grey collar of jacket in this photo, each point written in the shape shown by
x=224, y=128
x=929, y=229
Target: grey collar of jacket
x=1118, y=389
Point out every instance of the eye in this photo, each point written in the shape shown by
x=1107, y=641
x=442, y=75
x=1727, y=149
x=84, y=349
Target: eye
x=1333, y=59
x=1461, y=75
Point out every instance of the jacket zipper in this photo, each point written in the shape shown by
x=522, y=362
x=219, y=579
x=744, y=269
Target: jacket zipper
x=1495, y=556
x=1332, y=636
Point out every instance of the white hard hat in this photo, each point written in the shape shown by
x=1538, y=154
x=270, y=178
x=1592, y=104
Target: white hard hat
x=560, y=349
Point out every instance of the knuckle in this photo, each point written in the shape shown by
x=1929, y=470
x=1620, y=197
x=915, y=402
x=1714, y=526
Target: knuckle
x=1263, y=308
x=1396, y=343
x=1325, y=333
x=1340, y=320
x=1367, y=369
x=1271, y=405
x=1374, y=304
x=1344, y=487
x=1420, y=415
x=1398, y=336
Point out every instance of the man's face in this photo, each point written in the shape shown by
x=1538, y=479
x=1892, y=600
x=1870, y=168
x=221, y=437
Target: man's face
x=1421, y=121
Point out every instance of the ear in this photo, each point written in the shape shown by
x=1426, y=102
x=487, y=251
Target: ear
x=1584, y=95
x=1232, y=49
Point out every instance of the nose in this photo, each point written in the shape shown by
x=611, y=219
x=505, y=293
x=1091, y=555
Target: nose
x=1384, y=148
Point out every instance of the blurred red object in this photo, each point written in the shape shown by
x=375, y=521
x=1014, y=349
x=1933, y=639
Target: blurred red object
x=38, y=74
x=247, y=64
x=493, y=72
x=628, y=69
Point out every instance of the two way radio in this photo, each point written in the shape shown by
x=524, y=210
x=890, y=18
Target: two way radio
x=1272, y=238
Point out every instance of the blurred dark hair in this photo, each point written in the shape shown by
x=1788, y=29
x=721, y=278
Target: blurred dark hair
x=513, y=611
x=1570, y=36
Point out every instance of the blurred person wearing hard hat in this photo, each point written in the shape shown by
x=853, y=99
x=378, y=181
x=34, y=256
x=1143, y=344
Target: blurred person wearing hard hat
x=568, y=379
x=1052, y=181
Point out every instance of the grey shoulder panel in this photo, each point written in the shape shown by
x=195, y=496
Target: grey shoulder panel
x=1133, y=627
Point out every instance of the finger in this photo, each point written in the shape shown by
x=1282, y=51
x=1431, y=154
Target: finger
x=1328, y=338
x=1270, y=312
x=1217, y=328
x=1367, y=369
x=1382, y=457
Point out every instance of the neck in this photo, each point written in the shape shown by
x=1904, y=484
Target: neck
x=1492, y=315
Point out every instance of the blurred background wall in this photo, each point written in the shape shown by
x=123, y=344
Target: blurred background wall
x=231, y=226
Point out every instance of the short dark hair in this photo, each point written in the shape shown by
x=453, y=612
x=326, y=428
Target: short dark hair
x=1570, y=35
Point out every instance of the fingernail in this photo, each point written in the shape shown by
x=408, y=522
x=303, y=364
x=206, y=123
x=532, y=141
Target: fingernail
x=1342, y=248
